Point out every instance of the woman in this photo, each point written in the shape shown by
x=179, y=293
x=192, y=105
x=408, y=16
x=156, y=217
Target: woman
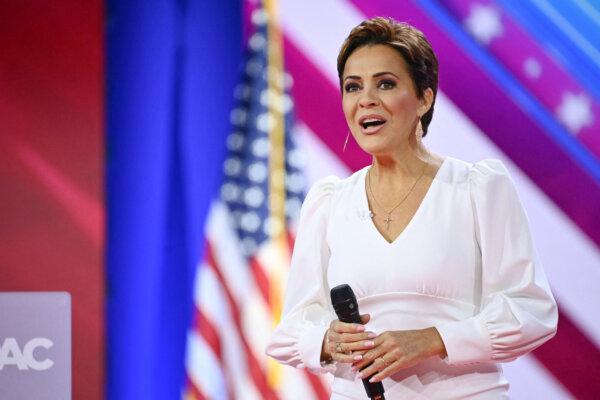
x=437, y=250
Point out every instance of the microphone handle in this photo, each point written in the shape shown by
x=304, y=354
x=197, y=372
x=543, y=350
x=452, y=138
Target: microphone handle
x=374, y=390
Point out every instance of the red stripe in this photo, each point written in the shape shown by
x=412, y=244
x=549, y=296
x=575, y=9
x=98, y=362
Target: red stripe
x=317, y=386
x=206, y=329
x=254, y=367
x=260, y=278
x=193, y=390
x=573, y=359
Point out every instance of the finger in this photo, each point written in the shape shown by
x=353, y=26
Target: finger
x=341, y=347
x=364, y=318
x=346, y=358
x=356, y=337
x=343, y=327
x=368, y=359
x=360, y=345
x=387, y=371
x=376, y=366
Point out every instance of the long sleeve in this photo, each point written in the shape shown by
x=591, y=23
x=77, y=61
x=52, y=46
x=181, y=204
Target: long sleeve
x=517, y=310
x=298, y=338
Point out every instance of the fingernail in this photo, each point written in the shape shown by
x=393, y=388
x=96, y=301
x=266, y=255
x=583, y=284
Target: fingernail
x=369, y=343
x=373, y=380
x=357, y=357
x=360, y=328
x=372, y=335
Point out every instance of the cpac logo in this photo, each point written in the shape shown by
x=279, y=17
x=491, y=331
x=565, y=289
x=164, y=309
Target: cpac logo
x=11, y=354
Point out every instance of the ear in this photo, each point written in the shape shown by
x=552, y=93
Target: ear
x=426, y=101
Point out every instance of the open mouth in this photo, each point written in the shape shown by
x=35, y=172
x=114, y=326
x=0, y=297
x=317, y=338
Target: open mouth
x=372, y=122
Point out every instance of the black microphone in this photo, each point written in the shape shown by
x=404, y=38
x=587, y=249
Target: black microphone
x=346, y=308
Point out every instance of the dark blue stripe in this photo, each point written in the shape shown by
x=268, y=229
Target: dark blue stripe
x=583, y=68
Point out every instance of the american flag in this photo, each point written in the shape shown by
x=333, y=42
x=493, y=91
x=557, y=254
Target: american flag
x=238, y=290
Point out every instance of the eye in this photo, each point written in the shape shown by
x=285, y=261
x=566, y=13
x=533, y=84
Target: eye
x=351, y=87
x=387, y=84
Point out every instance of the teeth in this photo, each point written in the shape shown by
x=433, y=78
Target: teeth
x=372, y=122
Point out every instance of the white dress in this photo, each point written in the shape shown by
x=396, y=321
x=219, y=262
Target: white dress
x=464, y=264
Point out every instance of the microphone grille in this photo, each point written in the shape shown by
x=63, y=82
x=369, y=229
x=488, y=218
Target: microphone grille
x=341, y=293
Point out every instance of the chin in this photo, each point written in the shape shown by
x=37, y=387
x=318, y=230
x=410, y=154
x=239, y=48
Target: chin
x=375, y=147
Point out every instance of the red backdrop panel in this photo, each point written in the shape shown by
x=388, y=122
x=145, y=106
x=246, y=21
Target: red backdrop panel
x=51, y=165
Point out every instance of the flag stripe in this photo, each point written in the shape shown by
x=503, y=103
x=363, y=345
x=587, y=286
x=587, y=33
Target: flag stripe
x=260, y=278
x=193, y=390
x=207, y=330
x=319, y=390
x=214, y=306
x=572, y=358
x=254, y=367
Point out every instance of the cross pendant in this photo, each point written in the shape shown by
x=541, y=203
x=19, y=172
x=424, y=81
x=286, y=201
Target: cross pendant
x=387, y=221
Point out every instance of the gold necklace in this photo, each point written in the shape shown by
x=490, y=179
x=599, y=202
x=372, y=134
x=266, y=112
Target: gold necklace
x=388, y=218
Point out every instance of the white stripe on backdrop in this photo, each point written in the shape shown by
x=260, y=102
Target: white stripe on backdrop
x=571, y=261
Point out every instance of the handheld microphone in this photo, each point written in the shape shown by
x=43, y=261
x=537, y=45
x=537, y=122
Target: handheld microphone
x=346, y=308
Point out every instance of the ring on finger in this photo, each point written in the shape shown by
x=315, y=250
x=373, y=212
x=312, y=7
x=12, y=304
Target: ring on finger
x=338, y=348
x=384, y=361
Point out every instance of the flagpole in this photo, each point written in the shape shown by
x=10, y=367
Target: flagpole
x=279, y=252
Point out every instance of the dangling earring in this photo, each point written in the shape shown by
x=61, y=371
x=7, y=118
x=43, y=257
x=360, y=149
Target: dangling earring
x=346, y=142
x=419, y=131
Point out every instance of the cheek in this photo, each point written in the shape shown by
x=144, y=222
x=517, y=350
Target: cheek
x=348, y=109
x=403, y=104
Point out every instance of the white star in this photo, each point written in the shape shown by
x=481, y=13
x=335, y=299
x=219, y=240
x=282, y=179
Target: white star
x=232, y=166
x=575, y=111
x=484, y=23
x=238, y=116
x=230, y=191
x=257, y=41
x=250, y=221
x=294, y=182
x=235, y=141
x=257, y=172
x=261, y=146
x=292, y=207
x=296, y=158
x=265, y=122
x=532, y=68
x=253, y=196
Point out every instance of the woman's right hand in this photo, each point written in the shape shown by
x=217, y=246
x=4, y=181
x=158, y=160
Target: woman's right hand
x=344, y=342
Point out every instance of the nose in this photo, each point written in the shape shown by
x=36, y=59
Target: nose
x=368, y=99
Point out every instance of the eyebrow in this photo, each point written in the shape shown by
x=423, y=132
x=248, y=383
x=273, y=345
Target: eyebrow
x=378, y=74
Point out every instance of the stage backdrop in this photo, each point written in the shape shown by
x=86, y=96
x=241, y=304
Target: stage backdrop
x=51, y=166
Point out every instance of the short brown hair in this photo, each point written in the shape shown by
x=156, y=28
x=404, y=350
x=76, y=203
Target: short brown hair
x=407, y=40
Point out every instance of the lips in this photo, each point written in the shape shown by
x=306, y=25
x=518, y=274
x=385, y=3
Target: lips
x=371, y=123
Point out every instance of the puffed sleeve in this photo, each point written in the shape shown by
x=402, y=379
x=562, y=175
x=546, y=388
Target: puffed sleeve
x=298, y=338
x=517, y=312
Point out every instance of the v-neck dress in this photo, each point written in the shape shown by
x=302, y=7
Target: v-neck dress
x=464, y=264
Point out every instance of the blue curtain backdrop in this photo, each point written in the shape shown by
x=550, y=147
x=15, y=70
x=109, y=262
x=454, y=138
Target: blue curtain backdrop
x=171, y=70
